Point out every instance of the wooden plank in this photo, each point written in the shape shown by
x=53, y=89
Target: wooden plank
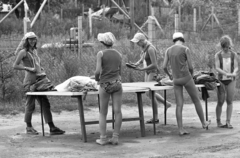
x=110, y=121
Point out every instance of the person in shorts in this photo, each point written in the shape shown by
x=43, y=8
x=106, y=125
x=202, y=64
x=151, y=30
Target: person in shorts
x=149, y=60
x=108, y=74
x=227, y=67
x=178, y=56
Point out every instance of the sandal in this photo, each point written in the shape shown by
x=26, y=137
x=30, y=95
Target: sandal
x=222, y=126
x=229, y=126
x=31, y=131
x=151, y=121
x=102, y=141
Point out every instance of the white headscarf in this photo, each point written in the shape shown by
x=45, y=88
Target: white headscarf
x=107, y=38
x=26, y=36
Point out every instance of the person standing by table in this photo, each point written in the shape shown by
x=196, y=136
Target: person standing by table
x=179, y=58
x=33, y=71
x=227, y=67
x=149, y=59
x=108, y=74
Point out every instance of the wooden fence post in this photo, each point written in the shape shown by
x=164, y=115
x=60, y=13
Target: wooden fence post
x=238, y=6
x=194, y=20
x=132, y=20
x=176, y=22
x=90, y=22
x=80, y=37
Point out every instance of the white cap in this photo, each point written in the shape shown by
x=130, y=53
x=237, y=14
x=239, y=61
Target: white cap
x=177, y=35
x=137, y=37
x=107, y=38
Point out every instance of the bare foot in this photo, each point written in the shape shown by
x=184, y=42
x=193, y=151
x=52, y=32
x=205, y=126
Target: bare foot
x=183, y=132
x=207, y=123
x=169, y=105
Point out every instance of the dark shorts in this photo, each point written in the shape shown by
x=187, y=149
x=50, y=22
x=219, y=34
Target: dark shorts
x=112, y=87
x=226, y=82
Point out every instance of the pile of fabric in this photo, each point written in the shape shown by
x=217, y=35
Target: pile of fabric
x=78, y=84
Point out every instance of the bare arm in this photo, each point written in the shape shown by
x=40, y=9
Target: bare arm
x=120, y=66
x=153, y=59
x=165, y=63
x=234, y=74
x=98, y=66
x=17, y=63
x=189, y=61
x=140, y=61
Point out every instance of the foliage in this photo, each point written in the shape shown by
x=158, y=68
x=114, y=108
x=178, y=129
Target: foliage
x=8, y=90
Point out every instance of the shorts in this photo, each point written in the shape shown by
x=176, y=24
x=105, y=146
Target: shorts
x=226, y=82
x=112, y=87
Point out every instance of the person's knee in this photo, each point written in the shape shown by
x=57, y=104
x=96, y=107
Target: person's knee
x=229, y=101
x=30, y=108
x=103, y=111
x=117, y=111
x=195, y=100
x=220, y=102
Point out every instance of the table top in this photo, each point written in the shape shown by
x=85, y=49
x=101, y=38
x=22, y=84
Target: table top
x=127, y=88
x=151, y=85
x=56, y=93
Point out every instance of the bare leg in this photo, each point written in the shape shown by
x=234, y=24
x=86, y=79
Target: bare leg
x=158, y=97
x=104, y=99
x=161, y=99
x=192, y=91
x=220, y=102
x=178, y=91
x=230, y=90
x=117, y=104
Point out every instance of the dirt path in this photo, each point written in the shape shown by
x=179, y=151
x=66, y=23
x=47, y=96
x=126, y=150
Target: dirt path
x=214, y=143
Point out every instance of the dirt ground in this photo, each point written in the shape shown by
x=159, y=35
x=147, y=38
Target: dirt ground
x=214, y=143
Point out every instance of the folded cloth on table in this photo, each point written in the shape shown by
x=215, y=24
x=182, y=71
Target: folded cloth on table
x=78, y=84
x=166, y=82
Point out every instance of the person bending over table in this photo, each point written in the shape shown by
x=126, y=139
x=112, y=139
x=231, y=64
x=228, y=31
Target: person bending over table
x=178, y=56
x=108, y=74
x=227, y=67
x=33, y=71
x=149, y=60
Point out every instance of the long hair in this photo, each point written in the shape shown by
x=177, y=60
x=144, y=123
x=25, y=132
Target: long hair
x=26, y=45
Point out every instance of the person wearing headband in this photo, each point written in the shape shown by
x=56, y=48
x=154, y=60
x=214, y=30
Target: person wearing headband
x=27, y=55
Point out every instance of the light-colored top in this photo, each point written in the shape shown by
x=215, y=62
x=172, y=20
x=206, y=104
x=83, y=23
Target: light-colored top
x=111, y=65
x=226, y=67
x=178, y=57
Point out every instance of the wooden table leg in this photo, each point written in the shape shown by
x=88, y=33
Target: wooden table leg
x=165, y=107
x=154, y=109
x=206, y=109
x=41, y=107
x=113, y=116
x=82, y=120
x=141, y=115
